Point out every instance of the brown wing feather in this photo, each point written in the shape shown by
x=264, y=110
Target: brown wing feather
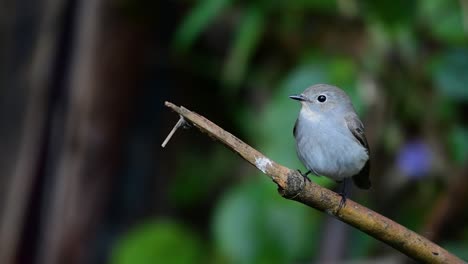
x=356, y=127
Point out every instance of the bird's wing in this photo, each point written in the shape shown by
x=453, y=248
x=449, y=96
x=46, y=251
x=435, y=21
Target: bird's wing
x=295, y=127
x=357, y=129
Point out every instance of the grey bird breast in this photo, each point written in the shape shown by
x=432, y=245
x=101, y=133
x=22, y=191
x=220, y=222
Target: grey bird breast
x=336, y=148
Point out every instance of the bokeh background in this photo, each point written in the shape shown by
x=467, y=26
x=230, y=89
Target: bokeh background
x=83, y=176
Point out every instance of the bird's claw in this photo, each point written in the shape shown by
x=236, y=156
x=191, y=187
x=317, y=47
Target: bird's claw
x=343, y=201
x=304, y=175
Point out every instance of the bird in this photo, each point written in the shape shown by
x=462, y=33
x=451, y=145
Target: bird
x=330, y=137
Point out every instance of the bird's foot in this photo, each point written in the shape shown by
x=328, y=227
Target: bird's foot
x=343, y=200
x=343, y=194
x=305, y=175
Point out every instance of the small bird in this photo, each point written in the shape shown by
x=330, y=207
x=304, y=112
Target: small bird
x=330, y=139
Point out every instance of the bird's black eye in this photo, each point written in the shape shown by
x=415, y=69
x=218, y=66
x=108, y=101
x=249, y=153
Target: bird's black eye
x=321, y=98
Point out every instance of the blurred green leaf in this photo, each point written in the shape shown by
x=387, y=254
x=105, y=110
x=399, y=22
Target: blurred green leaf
x=392, y=136
x=413, y=213
x=195, y=181
x=342, y=70
x=446, y=110
x=444, y=19
x=249, y=32
x=459, y=144
x=392, y=13
x=380, y=44
x=407, y=43
x=311, y=71
x=324, y=6
x=458, y=249
x=158, y=242
x=342, y=73
x=204, y=12
x=252, y=224
x=361, y=244
x=450, y=73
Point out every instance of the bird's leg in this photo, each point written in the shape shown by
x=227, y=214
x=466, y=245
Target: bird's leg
x=343, y=192
x=305, y=175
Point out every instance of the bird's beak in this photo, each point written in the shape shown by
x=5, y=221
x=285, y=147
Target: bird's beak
x=299, y=97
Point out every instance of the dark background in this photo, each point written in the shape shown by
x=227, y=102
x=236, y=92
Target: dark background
x=82, y=89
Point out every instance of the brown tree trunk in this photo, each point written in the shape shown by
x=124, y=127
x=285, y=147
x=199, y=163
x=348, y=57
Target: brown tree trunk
x=105, y=65
x=29, y=161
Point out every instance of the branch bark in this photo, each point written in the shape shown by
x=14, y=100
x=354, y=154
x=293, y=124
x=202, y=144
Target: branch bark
x=291, y=185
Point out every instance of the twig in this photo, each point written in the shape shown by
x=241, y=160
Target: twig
x=291, y=185
x=180, y=123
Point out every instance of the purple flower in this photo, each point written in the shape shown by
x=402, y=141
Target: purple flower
x=414, y=159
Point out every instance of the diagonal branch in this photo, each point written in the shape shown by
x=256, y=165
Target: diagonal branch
x=291, y=185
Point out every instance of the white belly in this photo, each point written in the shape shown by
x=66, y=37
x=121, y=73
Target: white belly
x=329, y=149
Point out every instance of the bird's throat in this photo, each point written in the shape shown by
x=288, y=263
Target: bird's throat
x=310, y=115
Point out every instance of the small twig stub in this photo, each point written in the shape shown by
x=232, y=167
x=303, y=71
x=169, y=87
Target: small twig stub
x=181, y=123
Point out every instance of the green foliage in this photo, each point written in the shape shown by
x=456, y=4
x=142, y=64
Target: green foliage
x=249, y=33
x=252, y=224
x=324, y=6
x=459, y=249
x=410, y=214
x=196, y=21
x=446, y=110
x=158, y=242
x=451, y=74
x=444, y=19
x=459, y=144
x=195, y=181
x=390, y=12
x=361, y=244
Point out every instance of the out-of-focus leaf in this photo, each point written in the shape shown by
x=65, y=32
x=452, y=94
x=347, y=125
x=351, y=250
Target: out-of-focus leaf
x=458, y=249
x=413, y=213
x=392, y=13
x=194, y=179
x=459, y=144
x=310, y=72
x=444, y=19
x=392, y=136
x=158, y=242
x=342, y=70
x=342, y=73
x=361, y=244
x=249, y=32
x=380, y=43
x=252, y=224
x=407, y=42
x=451, y=74
x=196, y=21
x=324, y=6
x=446, y=110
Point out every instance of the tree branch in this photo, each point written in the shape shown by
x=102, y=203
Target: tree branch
x=291, y=185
